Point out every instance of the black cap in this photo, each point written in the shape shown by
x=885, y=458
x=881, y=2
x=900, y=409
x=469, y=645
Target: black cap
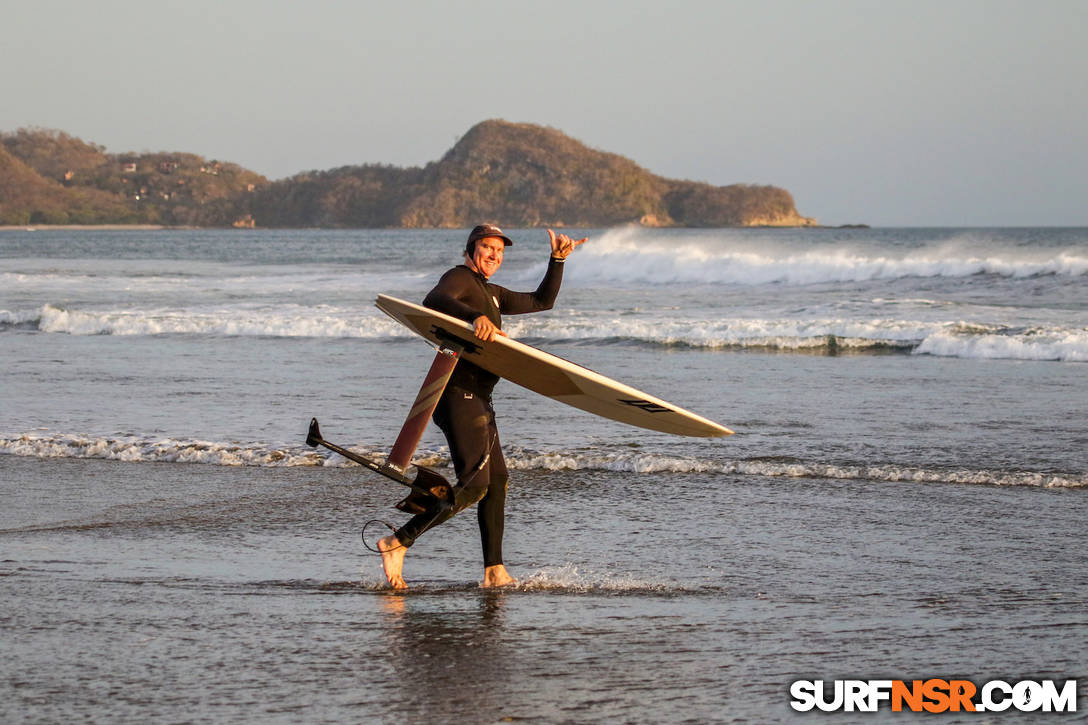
x=487, y=230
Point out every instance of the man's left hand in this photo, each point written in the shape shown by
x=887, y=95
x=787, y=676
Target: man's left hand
x=485, y=329
x=562, y=245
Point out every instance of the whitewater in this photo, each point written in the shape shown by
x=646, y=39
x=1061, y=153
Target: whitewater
x=136, y=449
x=1000, y=298
x=202, y=347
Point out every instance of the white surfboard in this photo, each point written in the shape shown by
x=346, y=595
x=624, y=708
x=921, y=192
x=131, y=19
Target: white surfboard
x=550, y=375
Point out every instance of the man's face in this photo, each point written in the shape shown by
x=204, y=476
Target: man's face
x=487, y=256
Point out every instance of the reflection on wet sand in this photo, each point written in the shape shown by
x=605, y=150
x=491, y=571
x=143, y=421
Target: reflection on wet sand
x=451, y=653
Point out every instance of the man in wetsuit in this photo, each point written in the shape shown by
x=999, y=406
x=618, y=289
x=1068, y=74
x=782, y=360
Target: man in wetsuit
x=464, y=412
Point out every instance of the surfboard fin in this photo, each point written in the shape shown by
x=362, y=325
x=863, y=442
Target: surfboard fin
x=313, y=436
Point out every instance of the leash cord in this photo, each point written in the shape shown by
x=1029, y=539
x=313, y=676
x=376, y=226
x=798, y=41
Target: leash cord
x=377, y=521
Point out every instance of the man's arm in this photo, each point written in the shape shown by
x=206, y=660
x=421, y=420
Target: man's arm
x=516, y=303
x=542, y=298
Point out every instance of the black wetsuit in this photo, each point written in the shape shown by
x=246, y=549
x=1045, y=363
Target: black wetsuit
x=464, y=412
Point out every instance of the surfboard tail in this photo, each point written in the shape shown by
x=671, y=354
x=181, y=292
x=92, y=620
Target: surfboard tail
x=419, y=415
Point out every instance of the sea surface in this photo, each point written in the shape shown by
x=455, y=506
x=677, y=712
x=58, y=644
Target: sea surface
x=905, y=496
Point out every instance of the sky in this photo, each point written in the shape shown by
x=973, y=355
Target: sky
x=886, y=112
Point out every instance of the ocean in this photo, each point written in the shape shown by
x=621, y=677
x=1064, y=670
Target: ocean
x=904, y=498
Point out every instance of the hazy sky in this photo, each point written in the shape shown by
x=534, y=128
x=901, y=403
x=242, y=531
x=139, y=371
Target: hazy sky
x=891, y=112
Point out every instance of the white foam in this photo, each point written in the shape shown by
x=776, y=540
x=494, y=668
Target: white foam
x=633, y=254
x=167, y=450
x=9, y=318
x=162, y=450
x=196, y=278
x=331, y=321
x=568, y=577
x=723, y=333
x=898, y=473
x=939, y=338
x=657, y=463
x=1040, y=343
x=273, y=321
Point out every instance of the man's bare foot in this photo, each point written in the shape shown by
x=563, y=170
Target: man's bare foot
x=497, y=576
x=393, y=560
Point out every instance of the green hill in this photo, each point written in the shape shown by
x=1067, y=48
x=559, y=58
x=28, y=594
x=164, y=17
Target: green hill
x=518, y=174
x=29, y=197
x=49, y=177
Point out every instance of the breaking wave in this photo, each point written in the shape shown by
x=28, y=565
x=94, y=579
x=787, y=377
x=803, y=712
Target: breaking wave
x=999, y=342
x=137, y=449
x=822, y=336
x=277, y=321
x=636, y=254
x=655, y=463
x=167, y=450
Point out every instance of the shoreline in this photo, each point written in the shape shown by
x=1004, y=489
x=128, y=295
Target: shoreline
x=85, y=227
x=164, y=227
